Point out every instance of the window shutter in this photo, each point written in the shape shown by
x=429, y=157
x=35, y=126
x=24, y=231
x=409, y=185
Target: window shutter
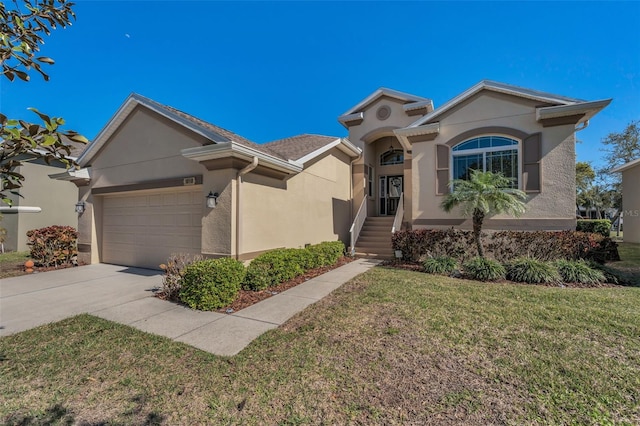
x=442, y=169
x=531, y=156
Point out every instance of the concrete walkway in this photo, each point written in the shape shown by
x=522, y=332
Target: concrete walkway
x=125, y=295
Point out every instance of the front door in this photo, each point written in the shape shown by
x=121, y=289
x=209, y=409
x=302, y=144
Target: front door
x=391, y=188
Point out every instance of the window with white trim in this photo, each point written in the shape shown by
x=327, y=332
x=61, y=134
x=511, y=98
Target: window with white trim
x=486, y=153
x=391, y=157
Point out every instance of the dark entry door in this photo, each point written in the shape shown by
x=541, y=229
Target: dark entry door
x=391, y=188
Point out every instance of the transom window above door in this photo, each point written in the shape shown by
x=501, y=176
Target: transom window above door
x=487, y=153
x=391, y=157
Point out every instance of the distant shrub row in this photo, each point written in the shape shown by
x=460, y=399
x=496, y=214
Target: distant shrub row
x=214, y=283
x=505, y=246
x=523, y=269
x=597, y=226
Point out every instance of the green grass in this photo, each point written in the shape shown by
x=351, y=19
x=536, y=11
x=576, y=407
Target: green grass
x=389, y=347
x=11, y=262
x=629, y=265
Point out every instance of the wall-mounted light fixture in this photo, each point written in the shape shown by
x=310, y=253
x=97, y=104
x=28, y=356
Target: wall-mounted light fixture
x=80, y=207
x=212, y=199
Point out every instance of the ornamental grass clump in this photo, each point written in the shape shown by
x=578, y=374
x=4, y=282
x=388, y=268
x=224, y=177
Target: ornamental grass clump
x=483, y=269
x=211, y=283
x=579, y=271
x=532, y=271
x=441, y=265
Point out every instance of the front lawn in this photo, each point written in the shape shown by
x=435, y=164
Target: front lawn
x=389, y=347
x=629, y=265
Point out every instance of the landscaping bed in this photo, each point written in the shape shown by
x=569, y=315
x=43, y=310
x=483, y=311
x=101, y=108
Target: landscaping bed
x=247, y=298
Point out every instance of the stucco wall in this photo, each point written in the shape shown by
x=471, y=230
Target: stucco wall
x=308, y=208
x=631, y=204
x=552, y=208
x=56, y=199
x=365, y=136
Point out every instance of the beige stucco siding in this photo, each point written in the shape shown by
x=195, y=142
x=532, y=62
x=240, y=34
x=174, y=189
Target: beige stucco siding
x=631, y=204
x=308, y=208
x=56, y=199
x=146, y=147
x=554, y=206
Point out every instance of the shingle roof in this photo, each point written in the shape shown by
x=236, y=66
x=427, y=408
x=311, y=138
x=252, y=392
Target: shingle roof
x=226, y=135
x=296, y=147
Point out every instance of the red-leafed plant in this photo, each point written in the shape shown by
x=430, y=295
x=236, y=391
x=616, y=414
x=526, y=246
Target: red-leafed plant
x=53, y=246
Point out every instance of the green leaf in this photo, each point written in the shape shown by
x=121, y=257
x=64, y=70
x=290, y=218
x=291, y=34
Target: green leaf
x=77, y=138
x=48, y=140
x=46, y=60
x=44, y=117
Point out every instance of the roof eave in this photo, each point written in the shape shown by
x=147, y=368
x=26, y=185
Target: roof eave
x=343, y=144
x=589, y=109
x=626, y=166
x=235, y=150
x=71, y=175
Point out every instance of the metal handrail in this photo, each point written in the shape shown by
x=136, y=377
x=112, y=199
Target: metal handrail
x=358, y=222
x=397, y=220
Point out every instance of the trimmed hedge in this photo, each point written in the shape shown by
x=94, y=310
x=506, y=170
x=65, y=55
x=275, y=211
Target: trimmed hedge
x=505, y=246
x=277, y=266
x=211, y=283
x=596, y=226
x=54, y=245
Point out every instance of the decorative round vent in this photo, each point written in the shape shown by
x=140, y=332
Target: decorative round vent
x=383, y=112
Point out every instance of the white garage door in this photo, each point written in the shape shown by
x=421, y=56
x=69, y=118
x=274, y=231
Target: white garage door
x=143, y=228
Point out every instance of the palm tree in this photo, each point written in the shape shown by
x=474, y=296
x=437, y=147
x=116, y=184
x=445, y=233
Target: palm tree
x=483, y=194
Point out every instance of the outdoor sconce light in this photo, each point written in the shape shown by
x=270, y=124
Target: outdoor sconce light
x=212, y=199
x=80, y=207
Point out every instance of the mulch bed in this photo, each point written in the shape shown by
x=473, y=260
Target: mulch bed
x=247, y=298
x=18, y=269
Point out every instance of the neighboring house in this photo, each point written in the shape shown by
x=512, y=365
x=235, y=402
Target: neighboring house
x=630, y=200
x=42, y=202
x=146, y=177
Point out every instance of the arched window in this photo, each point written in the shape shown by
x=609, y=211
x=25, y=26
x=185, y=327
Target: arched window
x=487, y=153
x=393, y=156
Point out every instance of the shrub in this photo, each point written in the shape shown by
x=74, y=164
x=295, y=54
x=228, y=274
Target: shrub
x=579, y=271
x=280, y=265
x=482, y=269
x=532, y=271
x=596, y=226
x=212, y=283
x=443, y=265
x=272, y=268
x=173, y=273
x=326, y=253
x=54, y=245
x=418, y=243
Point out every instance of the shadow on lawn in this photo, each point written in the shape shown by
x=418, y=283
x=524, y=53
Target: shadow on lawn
x=59, y=415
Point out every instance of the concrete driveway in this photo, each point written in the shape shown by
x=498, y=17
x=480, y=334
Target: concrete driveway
x=125, y=295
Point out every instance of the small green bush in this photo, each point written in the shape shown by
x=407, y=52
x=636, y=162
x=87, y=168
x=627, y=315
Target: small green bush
x=579, y=271
x=54, y=245
x=532, y=271
x=482, y=269
x=272, y=268
x=212, y=283
x=326, y=253
x=442, y=265
x=596, y=226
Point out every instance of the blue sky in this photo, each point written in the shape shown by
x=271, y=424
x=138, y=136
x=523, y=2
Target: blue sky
x=268, y=70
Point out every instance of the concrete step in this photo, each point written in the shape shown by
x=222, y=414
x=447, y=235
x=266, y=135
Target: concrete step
x=365, y=239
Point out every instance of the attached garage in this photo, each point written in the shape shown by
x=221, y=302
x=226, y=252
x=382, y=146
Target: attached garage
x=143, y=228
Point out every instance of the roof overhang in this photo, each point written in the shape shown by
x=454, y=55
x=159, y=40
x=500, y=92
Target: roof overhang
x=574, y=114
x=408, y=135
x=123, y=113
x=499, y=88
x=627, y=166
x=343, y=144
x=235, y=150
x=73, y=175
x=413, y=105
